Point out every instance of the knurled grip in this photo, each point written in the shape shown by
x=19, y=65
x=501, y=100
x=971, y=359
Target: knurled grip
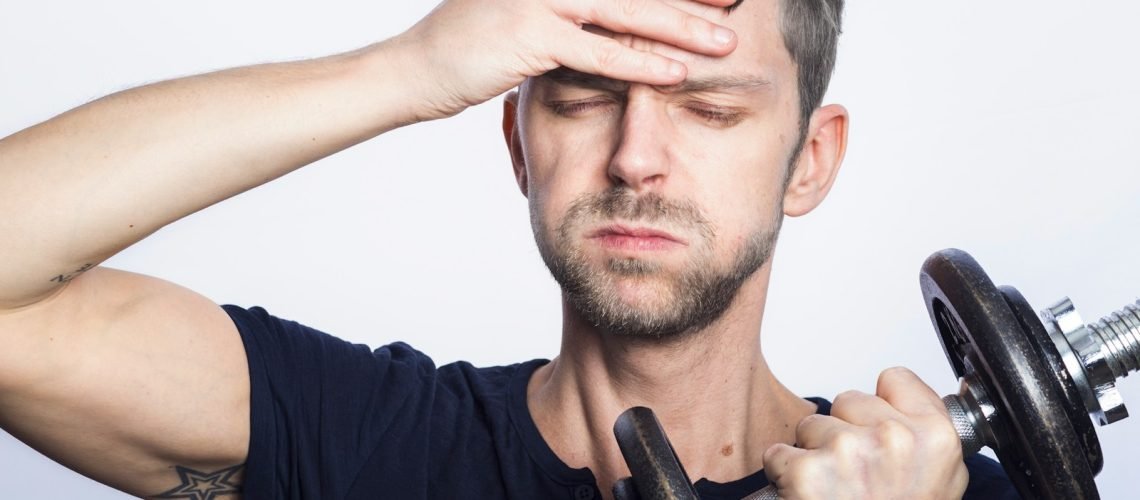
x=963, y=425
x=768, y=493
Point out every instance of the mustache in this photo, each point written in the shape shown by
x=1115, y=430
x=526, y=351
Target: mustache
x=621, y=203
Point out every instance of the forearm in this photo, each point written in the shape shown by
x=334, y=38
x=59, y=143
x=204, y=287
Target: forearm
x=80, y=187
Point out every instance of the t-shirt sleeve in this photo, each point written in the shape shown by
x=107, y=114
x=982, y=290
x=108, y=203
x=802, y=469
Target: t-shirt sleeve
x=988, y=480
x=320, y=406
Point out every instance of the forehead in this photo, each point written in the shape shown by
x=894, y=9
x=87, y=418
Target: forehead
x=760, y=44
x=760, y=55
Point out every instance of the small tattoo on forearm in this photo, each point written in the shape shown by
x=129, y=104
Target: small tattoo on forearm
x=64, y=278
x=197, y=485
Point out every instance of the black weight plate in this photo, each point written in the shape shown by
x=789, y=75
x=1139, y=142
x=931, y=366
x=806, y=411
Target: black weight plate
x=1073, y=404
x=980, y=332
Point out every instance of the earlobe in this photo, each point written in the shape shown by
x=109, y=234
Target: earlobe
x=514, y=144
x=819, y=160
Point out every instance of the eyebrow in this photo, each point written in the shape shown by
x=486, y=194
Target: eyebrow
x=567, y=76
x=732, y=82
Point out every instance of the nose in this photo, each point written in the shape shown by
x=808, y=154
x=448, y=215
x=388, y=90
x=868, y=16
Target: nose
x=641, y=161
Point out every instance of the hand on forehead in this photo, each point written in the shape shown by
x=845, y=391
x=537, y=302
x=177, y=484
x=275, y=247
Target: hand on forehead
x=760, y=46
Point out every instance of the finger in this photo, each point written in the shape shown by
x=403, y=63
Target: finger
x=820, y=431
x=606, y=57
x=655, y=20
x=925, y=411
x=909, y=394
x=779, y=460
x=860, y=408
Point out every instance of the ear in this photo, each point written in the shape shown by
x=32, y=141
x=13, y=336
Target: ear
x=511, y=134
x=819, y=160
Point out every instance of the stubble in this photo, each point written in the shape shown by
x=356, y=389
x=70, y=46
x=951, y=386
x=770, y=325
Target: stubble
x=689, y=299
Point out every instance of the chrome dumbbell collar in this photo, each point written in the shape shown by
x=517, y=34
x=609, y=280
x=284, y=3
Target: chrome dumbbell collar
x=1095, y=355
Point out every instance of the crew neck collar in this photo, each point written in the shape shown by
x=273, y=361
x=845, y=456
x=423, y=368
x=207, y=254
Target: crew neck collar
x=556, y=469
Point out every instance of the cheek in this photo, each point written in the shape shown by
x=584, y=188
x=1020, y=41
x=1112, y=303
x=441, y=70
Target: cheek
x=563, y=162
x=738, y=180
x=743, y=174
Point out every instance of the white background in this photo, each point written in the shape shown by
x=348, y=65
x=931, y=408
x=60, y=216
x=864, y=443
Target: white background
x=1003, y=128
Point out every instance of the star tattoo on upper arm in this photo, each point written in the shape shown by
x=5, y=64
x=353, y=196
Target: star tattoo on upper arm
x=197, y=485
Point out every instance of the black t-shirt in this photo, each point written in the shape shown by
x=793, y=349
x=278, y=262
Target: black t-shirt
x=333, y=420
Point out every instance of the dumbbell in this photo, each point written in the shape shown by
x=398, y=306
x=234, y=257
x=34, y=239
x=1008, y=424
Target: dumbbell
x=1028, y=387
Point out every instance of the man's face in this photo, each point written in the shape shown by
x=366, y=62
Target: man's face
x=652, y=206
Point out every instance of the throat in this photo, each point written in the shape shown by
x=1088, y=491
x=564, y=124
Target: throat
x=719, y=421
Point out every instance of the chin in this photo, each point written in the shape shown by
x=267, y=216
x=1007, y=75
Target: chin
x=647, y=295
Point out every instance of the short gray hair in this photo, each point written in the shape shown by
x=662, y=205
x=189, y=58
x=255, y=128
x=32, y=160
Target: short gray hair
x=811, y=31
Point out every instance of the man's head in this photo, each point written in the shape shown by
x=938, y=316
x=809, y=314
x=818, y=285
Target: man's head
x=652, y=206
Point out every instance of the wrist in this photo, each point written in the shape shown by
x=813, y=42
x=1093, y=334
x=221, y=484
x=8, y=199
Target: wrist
x=406, y=75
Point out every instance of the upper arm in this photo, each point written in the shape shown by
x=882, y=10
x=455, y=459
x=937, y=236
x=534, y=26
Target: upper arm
x=125, y=377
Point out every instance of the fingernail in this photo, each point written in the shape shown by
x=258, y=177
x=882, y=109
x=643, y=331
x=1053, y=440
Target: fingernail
x=675, y=70
x=722, y=36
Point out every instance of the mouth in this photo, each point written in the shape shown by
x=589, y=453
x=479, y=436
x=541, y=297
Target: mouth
x=621, y=237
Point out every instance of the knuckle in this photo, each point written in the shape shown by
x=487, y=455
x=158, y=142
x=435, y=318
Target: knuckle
x=777, y=455
x=772, y=453
x=846, y=444
x=895, y=374
x=805, y=469
x=944, y=440
x=961, y=477
x=845, y=404
x=806, y=423
x=894, y=437
x=606, y=54
x=615, y=16
x=631, y=9
x=691, y=28
x=647, y=63
x=845, y=398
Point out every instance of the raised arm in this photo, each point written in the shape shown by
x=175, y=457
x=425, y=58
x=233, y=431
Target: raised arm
x=127, y=378
x=86, y=184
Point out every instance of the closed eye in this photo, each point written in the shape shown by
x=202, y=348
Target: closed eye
x=576, y=108
x=713, y=115
x=725, y=117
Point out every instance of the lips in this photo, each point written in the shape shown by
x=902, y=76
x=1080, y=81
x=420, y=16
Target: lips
x=635, y=238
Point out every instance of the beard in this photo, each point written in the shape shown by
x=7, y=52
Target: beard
x=691, y=299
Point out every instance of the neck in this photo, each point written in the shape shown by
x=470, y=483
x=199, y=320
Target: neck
x=712, y=390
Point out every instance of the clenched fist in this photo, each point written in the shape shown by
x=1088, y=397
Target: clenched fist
x=896, y=444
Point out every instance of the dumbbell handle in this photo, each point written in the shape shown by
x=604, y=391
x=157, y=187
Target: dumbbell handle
x=964, y=423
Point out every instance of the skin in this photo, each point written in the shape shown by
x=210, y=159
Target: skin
x=97, y=359
x=651, y=140
x=725, y=148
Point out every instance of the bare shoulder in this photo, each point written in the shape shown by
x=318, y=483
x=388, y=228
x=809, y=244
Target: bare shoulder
x=131, y=380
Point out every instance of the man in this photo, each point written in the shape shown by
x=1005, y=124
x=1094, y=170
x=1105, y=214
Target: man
x=658, y=154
